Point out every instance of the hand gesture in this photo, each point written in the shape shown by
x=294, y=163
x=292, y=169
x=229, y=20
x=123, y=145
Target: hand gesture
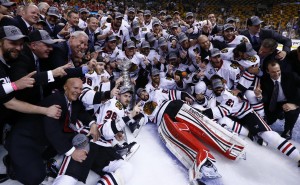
x=145, y=60
x=155, y=61
x=54, y=111
x=25, y=81
x=189, y=100
x=65, y=31
x=114, y=92
x=79, y=155
x=136, y=109
x=60, y=71
x=258, y=91
x=94, y=132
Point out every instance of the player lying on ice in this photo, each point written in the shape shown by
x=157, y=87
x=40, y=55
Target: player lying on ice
x=181, y=127
x=239, y=116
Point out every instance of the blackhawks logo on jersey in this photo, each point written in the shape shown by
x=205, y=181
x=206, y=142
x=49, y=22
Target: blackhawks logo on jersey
x=133, y=67
x=119, y=105
x=196, y=50
x=244, y=40
x=225, y=50
x=234, y=66
x=252, y=59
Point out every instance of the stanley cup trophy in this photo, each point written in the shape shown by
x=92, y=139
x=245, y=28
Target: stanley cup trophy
x=124, y=65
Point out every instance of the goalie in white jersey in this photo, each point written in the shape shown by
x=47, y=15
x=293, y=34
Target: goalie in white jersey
x=228, y=105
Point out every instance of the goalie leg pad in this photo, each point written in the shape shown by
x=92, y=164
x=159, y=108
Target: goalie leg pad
x=228, y=144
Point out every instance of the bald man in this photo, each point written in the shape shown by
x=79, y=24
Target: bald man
x=31, y=139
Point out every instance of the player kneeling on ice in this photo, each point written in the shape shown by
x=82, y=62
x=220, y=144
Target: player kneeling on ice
x=181, y=127
x=229, y=106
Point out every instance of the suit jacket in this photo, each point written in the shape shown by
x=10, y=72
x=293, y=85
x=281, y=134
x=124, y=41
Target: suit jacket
x=269, y=34
x=290, y=84
x=26, y=65
x=54, y=128
x=16, y=21
x=91, y=45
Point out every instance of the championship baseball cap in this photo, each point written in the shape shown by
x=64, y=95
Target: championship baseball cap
x=168, y=17
x=214, y=52
x=162, y=42
x=41, y=35
x=155, y=22
x=175, y=12
x=125, y=89
x=147, y=12
x=135, y=24
x=118, y=15
x=217, y=83
x=200, y=87
x=228, y=26
x=111, y=38
x=42, y=22
x=139, y=91
x=150, y=37
x=175, y=25
x=53, y=11
x=81, y=141
x=7, y=3
x=145, y=44
x=154, y=72
x=84, y=10
x=254, y=21
x=230, y=19
x=131, y=9
x=245, y=48
x=172, y=55
x=130, y=44
x=182, y=37
x=162, y=12
x=189, y=14
x=11, y=33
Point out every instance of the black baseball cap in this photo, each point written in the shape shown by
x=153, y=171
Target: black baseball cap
x=11, y=33
x=41, y=35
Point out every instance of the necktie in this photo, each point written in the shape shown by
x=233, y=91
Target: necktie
x=255, y=40
x=68, y=119
x=38, y=71
x=274, y=97
x=30, y=29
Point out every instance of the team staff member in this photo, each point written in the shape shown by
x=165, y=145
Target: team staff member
x=12, y=41
x=33, y=133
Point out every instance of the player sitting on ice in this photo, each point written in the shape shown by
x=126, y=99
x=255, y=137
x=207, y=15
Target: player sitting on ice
x=227, y=105
x=113, y=117
x=181, y=128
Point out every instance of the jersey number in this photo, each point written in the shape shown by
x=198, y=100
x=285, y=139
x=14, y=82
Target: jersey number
x=229, y=103
x=110, y=115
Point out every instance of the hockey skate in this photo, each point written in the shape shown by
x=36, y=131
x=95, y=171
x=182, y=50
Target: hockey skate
x=135, y=126
x=126, y=151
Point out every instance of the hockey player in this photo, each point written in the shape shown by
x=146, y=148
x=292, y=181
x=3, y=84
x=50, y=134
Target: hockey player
x=181, y=128
x=157, y=82
x=227, y=70
x=229, y=105
x=229, y=37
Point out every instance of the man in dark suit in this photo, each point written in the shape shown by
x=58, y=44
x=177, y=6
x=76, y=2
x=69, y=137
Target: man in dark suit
x=33, y=134
x=33, y=54
x=24, y=22
x=280, y=95
x=51, y=20
x=293, y=59
x=63, y=32
x=256, y=35
x=92, y=25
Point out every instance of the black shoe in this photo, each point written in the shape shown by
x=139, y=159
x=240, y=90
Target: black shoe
x=126, y=150
x=287, y=135
x=3, y=178
x=9, y=169
x=51, y=168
